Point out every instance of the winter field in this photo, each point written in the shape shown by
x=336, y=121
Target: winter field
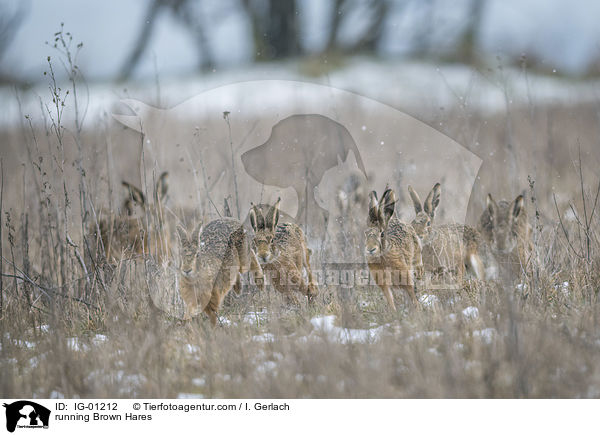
x=74, y=325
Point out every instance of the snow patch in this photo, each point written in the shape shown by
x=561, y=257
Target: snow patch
x=198, y=382
x=427, y=334
x=267, y=337
x=487, y=335
x=266, y=367
x=255, y=317
x=470, y=313
x=74, y=343
x=428, y=300
x=326, y=326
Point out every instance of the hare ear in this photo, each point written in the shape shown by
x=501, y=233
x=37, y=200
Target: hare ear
x=160, y=190
x=196, y=233
x=273, y=216
x=517, y=207
x=253, y=218
x=387, y=205
x=415, y=199
x=134, y=195
x=433, y=200
x=181, y=233
x=226, y=209
x=373, y=208
x=491, y=205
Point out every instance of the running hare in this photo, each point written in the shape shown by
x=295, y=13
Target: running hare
x=141, y=230
x=212, y=260
x=451, y=248
x=391, y=247
x=282, y=251
x=505, y=226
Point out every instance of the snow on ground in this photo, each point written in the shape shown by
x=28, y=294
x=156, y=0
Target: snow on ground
x=198, y=382
x=407, y=85
x=266, y=367
x=256, y=317
x=428, y=300
x=470, y=313
x=325, y=326
x=487, y=334
x=26, y=344
x=224, y=321
x=428, y=334
x=76, y=344
x=564, y=288
x=265, y=338
x=127, y=382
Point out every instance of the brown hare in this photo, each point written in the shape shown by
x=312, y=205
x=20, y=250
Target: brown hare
x=505, y=227
x=282, y=252
x=141, y=229
x=391, y=247
x=446, y=248
x=212, y=260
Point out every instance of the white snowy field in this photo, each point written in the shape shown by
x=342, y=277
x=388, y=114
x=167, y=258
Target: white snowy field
x=418, y=88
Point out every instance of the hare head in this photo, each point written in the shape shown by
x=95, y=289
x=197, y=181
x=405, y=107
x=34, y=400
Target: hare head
x=264, y=224
x=424, y=212
x=139, y=229
x=504, y=223
x=189, y=249
x=135, y=204
x=380, y=213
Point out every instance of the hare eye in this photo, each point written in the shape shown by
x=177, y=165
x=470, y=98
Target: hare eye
x=428, y=223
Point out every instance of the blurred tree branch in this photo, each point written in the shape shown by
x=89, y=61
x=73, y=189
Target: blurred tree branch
x=275, y=29
x=185, y=12
x=142, y=40
x=9, y=26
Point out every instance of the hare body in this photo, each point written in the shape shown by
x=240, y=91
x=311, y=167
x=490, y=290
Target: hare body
x=449, y=249
x=212, y=261
x=505, y=227
x=139, y=230
x=392, y=248
x=283, y=253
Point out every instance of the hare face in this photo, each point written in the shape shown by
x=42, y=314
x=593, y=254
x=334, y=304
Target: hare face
x=265, y=226
x=504, y=238
x=188, y=251
x=422, y=224
x=424, y=212
x=504, y=228
x=264, y=248
x=379, y=215
x=373, y=245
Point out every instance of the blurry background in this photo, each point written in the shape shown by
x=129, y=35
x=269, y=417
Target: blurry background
x=137, y=39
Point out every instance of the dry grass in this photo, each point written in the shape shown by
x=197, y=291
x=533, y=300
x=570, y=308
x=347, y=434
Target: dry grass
x=73, y=326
